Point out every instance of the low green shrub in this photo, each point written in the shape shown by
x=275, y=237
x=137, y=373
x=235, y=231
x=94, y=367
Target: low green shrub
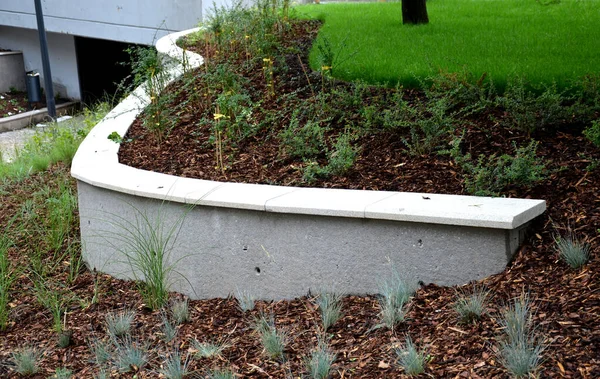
x=592, y=133
x=180, y=311
x=490, y=175
x=432, y=127
x=62, y=373
x=529, y=112
x=304, y=141
x=395, y=294
x=130, y=355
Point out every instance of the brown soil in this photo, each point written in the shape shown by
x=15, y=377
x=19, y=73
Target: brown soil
x=12, y=103
x=567, y=302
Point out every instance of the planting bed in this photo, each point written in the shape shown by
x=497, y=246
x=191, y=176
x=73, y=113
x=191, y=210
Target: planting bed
x=566, y=301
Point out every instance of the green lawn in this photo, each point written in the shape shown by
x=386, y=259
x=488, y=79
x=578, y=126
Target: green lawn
x=503, y=38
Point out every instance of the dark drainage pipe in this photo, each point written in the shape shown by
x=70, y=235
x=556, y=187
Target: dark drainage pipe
x=45, y=61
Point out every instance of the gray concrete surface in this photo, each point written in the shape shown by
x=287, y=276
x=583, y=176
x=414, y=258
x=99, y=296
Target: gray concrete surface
x=277, y=255
x=12, y=71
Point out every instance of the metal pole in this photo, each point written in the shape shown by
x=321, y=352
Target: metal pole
x=45, y=61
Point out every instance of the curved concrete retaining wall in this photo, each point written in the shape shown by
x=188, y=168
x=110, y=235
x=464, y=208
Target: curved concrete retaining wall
x=282, y=242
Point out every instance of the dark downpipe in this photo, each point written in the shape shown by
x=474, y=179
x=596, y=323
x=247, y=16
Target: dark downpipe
x=45, y=61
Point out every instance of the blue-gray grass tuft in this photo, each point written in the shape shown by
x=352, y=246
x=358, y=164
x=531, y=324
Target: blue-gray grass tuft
x=119, y=324
x=319, y=364
x=273, y=340
x=209, y=349
x=174, y=367
x=411, y=359
x=180, y=311
x=27, y=360
x=245, y=300
x=572, y=251
x=330, y=306
x=395, y=294
x=470, y=307
x=520, y=349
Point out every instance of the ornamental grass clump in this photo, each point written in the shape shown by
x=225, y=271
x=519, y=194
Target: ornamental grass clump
x=519, y=349
x=209, y=349
x=411, y=359
x=471, y=306
x=245, y=300
x=395, y=294
x=319, y=364
x=572, y=250
x=27, y=360
x=273, y=340
x=180, y=311
x=330, y=306
x=174, y=366
x=8, y=275
x=119, y=324
x=146, y=244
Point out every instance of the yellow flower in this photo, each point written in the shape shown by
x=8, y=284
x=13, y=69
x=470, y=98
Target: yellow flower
x=218, y=116
x=325, y=68
x=267, y=60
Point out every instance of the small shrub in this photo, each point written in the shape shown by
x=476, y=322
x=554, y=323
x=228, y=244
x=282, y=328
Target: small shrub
x=330, y=306
x=26, y=360
x=173, y=366
x=209, y=349
x=572, y=251
x=119, y=324
x=307, y=141
x=490, y=175
x=245, y=300
x=519, y=350
x=342, y=157
x=411, y=359
x=180, y=311
x=273, y=340
x=319, y=364
x=529, y=112
x=470, y=307
x=592, y=133
x=431, y=129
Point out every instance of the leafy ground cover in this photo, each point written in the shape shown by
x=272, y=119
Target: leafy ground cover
x=12, y=103
x=234, y=120
x=546, y=42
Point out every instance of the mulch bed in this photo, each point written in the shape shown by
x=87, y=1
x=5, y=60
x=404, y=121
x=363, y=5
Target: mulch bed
x=12, y=103
x=567, y=302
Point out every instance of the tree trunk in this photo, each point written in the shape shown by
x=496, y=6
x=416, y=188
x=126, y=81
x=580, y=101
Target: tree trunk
x=414, y=12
